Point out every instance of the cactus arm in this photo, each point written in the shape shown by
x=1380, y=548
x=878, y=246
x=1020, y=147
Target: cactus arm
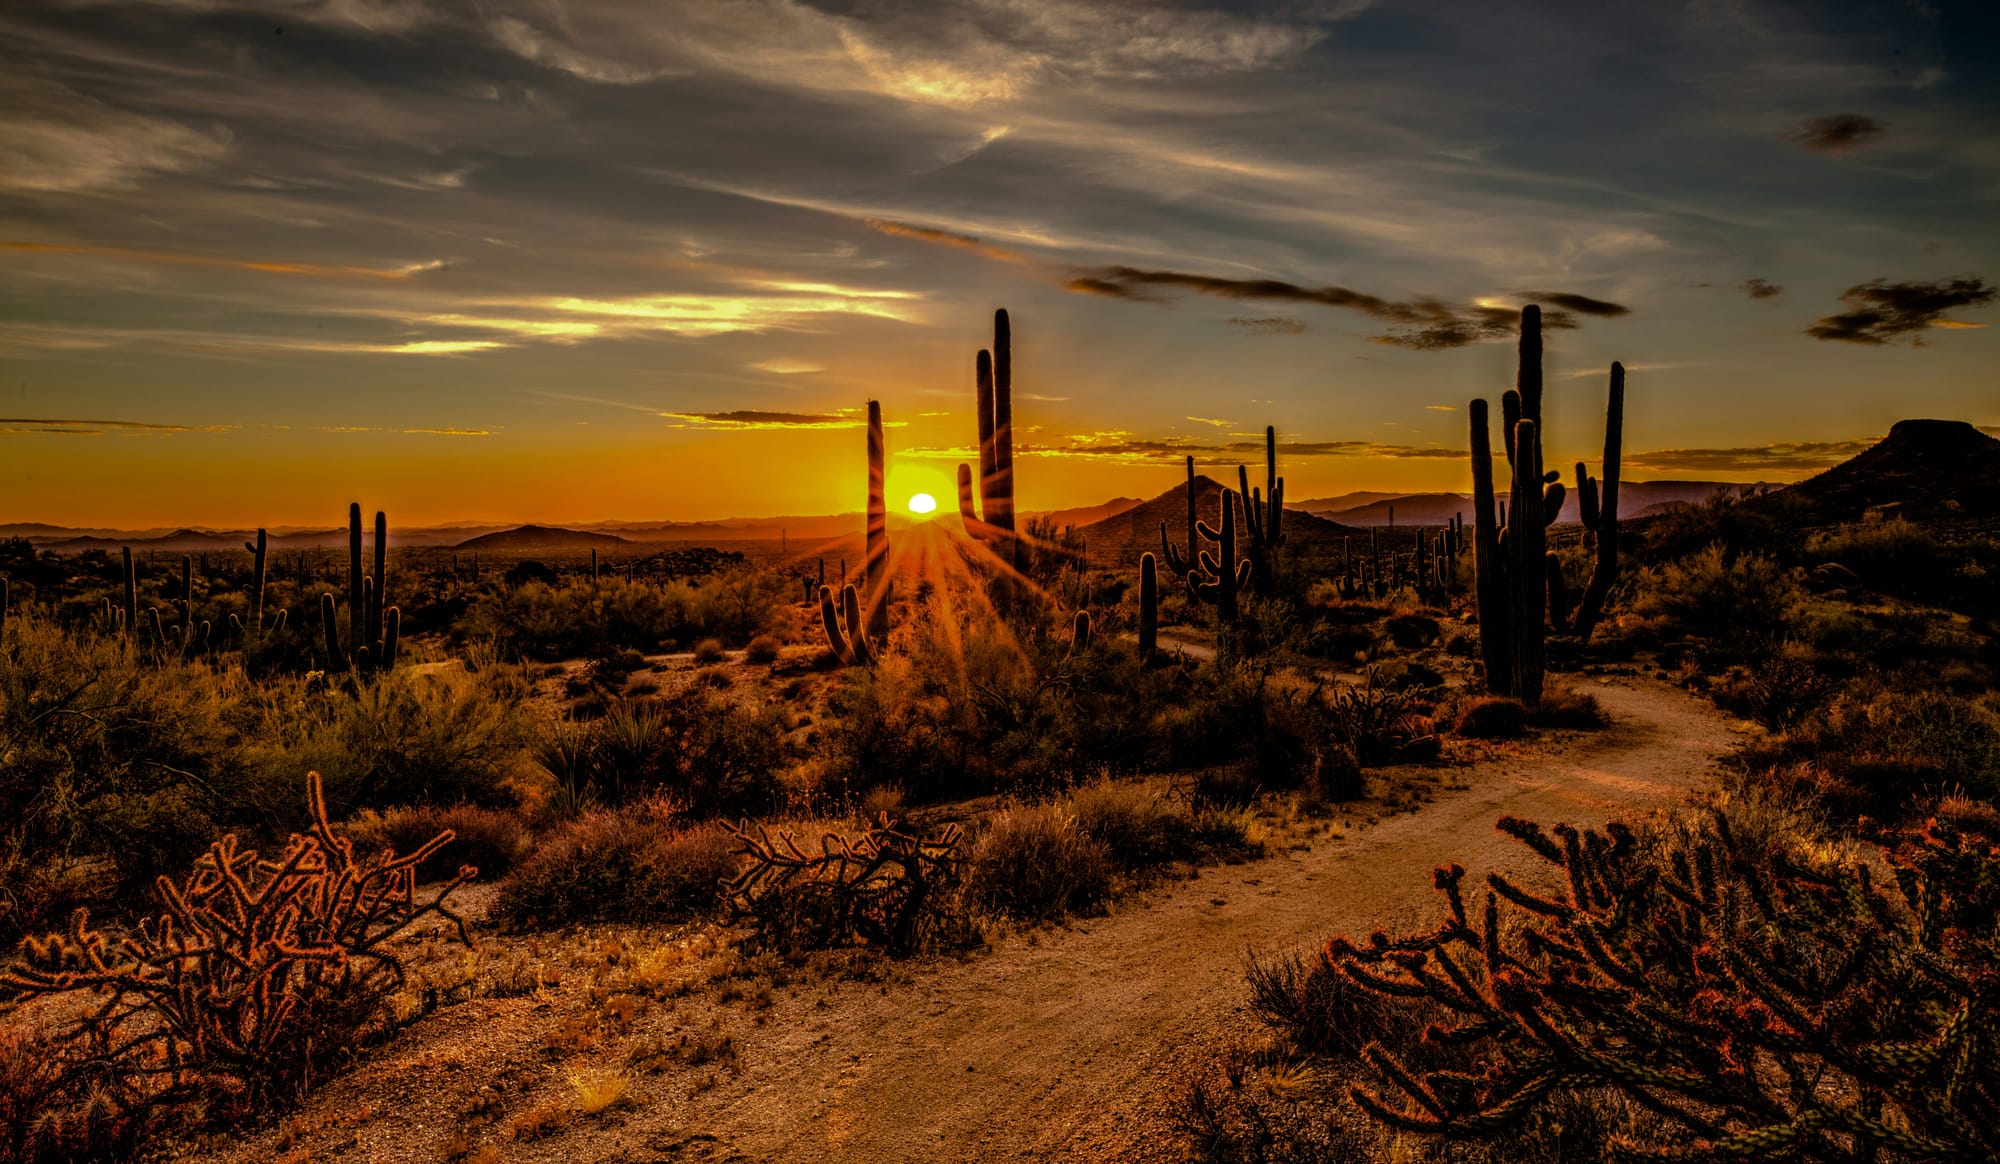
x=857, y=637
x=876, y=569
x=379, y=596
x=328, y=616
x=829, y=616
x=392, y=632
x=1605, y=572
x=1176, y=565
x=1490, y=587
x=1527, y=536
x=1149, y=606
x=1552, y=503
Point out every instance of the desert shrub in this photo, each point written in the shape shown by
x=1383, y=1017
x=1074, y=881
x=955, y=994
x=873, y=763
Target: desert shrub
x=1033, y=862
x=887, y=888
x=1752, y=987
x=1778, y=691
x=491, y=840
x=763, y=649
x=1719, y=594
x=1324, y=1012
x=577, y=619
x=260, y=978
x=1562, y=707
x=1379, y=723
x=709, y=651
x=711, y=756
x=636, y=863
x=1141, y=829
x=1412, y=631
x=1492, y=717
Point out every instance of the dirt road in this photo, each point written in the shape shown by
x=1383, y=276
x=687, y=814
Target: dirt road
x=1066, y=1048
x=1062, y=1044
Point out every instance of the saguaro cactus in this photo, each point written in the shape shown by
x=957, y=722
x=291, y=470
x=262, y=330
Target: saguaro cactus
x=131, y=608
x=373, y=628
x=849, y=644
x=1149, y=607
x=1600, y=513
x=992, y=522
x=1518, y=582
x=875, y=570
x=1221, y=577
x=1177, y=565
x=253, y=634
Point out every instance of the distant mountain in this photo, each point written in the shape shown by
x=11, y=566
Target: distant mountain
x=1118, y=540
x=1922, y=469
x=1341, y=502
x=541, y=539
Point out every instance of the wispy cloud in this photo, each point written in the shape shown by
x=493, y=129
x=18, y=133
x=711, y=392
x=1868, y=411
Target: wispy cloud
x=1269, y=325
x=21, y=424
x=261, y=266
x=745, y=419
x=1762, y=289
x=1881, y=312
x=1126, y=448
x=1841, y=133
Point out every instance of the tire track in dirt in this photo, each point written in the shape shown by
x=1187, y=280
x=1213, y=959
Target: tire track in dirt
x=1066, y=1044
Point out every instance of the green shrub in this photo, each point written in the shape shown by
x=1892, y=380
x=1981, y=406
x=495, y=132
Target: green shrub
x=637, y=863
x=1034, y=862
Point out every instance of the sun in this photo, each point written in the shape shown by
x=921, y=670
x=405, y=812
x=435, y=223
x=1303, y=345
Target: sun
x=923, y=504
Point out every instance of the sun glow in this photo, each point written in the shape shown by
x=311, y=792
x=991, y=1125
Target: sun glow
x=923, y=504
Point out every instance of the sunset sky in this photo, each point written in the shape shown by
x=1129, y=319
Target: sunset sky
x=537, y=260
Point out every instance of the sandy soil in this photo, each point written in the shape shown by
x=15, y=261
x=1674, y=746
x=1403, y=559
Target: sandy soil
x=1060, y=1044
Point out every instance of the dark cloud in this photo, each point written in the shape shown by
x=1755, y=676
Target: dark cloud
x=1793, y=456
x=21, y=424
x=1269, y=325
x=1581, y=304
x=1762, y=289
x=748, y=418
x=1880, y=312
x=1123, y=447
x=1425, y=324
x=949, y=238
x=1842, y=133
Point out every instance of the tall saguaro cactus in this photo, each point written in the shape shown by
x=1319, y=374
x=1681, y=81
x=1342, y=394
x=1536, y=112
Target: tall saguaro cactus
x=1263, y=513
x=992, y=522
x=1149, y=607
x=1221, y=577
x=1177, y=564
x=252, y=635
x=1517, y=584
x=875, y=569
x=373, y=628
x=1600, y=514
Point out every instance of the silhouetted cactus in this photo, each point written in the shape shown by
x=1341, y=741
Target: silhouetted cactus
x=130, y=612
x=1600, y=512
x=1178, y=565
x=1220, y=577
x=1149, y=606
x=993, y=385
x=1762, y=1002
x=374, y=629
x=1263, y=514
x=252, y=636
x=875, y=570
x=1079, y=633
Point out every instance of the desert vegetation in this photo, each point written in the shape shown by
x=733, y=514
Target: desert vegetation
x=699, y=774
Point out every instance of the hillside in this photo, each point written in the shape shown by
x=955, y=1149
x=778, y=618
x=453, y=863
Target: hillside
x=1923, y=469
x=1636, y=499
x=541, y=539
x=1118, y=540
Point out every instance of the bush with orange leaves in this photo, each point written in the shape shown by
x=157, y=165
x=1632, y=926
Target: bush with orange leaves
x=1760, y=999
x=260, y=977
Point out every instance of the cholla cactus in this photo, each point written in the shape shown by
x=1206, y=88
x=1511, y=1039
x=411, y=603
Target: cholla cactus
x=1763, y=1003
x=259, y=972
x=886, y=887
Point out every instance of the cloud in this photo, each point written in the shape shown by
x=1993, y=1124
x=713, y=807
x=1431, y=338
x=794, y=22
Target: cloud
x=262, y=266
x=1441, y=407
x=447, y=432
x=1426, y=324
x=19, y=424
x=1842, y=133
x=1761, y=289
x=949, y=238
x=1581, y=304
x=1784, y=457
x=742, y=419
x=787, y=367
x=1269, y=325
x=1880, y=312
x=96, y=149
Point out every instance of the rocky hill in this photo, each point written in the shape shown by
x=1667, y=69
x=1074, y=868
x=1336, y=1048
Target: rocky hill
x=1942, y=469
x=541, y=539
x=1118, y=540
